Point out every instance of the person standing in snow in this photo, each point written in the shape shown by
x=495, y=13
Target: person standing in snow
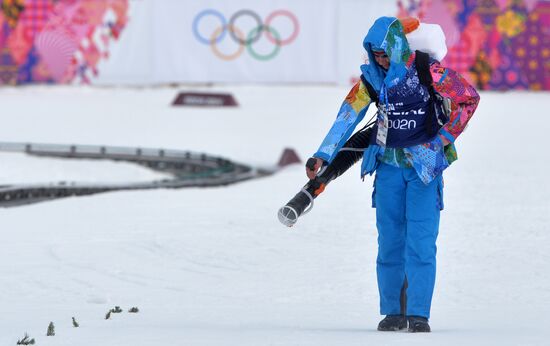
x=411, y=145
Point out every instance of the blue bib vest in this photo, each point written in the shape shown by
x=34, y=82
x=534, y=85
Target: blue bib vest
x=408, y=106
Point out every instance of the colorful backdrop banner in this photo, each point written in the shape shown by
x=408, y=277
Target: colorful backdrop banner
x=56, y=41
x=495, y=44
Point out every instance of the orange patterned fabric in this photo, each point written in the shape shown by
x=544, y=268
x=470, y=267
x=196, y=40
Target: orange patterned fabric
x=410, y=24
x=358, y=97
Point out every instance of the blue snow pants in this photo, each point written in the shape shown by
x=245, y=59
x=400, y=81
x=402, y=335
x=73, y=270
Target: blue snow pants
x=407, y=218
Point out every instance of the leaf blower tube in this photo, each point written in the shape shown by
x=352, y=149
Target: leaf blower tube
x=302, y=203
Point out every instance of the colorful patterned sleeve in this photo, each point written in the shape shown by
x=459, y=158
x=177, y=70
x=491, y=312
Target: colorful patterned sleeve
x=464, y=100
x=351, y=113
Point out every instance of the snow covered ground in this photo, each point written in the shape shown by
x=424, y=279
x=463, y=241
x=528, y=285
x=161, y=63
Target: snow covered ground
x=214, y=266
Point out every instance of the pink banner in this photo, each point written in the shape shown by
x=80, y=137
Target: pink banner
x=57, y=41
x=496, y=44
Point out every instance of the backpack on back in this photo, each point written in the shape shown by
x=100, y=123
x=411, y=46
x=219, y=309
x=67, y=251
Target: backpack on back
x=440, y=116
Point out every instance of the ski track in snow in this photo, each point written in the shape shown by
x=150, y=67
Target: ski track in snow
x=214, y=266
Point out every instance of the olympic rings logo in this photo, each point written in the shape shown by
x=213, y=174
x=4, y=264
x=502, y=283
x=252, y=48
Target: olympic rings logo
x=237, y=35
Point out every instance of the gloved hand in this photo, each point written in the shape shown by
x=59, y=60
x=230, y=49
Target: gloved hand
x=313, y=165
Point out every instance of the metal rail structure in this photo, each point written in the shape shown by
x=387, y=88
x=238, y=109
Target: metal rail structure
x=188, y=169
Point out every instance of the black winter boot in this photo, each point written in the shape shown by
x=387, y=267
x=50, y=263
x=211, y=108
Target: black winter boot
x=418, y=324
x=392, y=323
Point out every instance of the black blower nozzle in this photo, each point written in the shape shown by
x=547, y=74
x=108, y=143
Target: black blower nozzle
x=302, y=203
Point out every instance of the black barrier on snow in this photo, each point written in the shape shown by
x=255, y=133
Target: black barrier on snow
x=188, y=170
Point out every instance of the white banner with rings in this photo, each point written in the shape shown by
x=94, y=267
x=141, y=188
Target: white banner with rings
x=244, y=41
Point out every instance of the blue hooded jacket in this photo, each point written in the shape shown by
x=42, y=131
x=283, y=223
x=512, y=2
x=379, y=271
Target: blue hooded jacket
x=387, y=34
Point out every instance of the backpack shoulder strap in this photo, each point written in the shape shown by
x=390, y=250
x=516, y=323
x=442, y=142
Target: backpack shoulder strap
x=422, y=62
x=372, y=93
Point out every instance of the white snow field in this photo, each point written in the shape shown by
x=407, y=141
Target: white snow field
x=215, y=267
